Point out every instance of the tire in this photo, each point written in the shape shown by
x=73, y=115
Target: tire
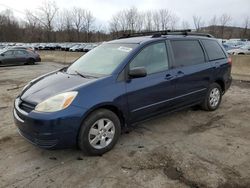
x=30, y=61
x=93, y=131
x=213, y=98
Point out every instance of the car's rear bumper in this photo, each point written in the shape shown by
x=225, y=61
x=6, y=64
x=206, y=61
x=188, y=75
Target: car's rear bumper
x=38, y=59
x=49, y=130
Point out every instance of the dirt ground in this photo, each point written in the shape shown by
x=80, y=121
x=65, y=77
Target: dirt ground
x=190, y=148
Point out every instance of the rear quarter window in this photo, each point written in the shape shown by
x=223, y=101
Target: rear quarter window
x=213, y=49
x=187, y=52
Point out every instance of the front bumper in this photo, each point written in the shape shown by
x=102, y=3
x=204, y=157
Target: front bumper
x=49, y=130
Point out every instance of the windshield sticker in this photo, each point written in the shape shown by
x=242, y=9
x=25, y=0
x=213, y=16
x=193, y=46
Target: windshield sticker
x=124, y=49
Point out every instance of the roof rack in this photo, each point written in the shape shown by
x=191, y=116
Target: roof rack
x=156, y=34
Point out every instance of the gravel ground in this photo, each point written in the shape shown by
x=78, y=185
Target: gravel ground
x=190, y=148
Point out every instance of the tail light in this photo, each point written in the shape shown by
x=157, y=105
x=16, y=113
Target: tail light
x=229, y=60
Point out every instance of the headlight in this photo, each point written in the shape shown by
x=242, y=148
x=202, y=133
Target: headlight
x=57, y=102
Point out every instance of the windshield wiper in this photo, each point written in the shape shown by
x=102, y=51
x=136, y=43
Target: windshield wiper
x=63, y=69
x=80, y=74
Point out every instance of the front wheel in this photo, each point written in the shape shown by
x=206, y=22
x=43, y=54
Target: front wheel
x=30, y=61
x=213, y=98
x=99, y=132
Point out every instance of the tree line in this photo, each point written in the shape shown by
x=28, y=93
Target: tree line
x=50, y=24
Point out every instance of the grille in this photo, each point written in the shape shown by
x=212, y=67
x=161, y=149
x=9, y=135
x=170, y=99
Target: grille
x=27, y=107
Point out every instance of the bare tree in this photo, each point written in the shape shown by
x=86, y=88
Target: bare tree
x=139, y=22
x=9, y=26
x=156, y=21
x=245, y=25
x=47, y=13
x=165, y=18
x=224, y=21
x=198, y=23
x=114, y=25
x=174, y=19
x=132, y=16
x=185, y=24
x=33, y=27
x=119, y=22
x=123, y=22
x=66, y=24
x=89, y=20
x=148, y=23
x=212, y=24
x=78, y=20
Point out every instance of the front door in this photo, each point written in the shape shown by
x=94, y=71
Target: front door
x=150, y=95
x=8, y=57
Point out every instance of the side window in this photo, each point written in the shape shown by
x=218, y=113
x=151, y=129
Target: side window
x=20, y=52
x=153, y=58
x=187, y=52
x=213, y=49
x=8, y=53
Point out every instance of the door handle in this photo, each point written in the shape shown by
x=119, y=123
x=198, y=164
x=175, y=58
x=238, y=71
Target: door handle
x=217, y=65
x=180, y=73
x=169, y=77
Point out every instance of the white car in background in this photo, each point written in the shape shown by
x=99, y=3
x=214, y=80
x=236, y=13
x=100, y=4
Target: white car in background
x=244, y=50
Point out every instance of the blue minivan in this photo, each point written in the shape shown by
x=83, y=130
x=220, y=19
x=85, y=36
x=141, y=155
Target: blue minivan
x=118, y=84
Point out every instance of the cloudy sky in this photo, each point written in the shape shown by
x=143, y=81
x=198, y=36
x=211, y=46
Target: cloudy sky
x=184, y=9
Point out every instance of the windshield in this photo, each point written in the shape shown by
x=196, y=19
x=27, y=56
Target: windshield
x=102, y=60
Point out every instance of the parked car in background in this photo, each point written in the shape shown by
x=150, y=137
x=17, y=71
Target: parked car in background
x=22, y=48
x=118, y=84
x=2, y=47
x=89, y=47
x=75, y=48
x=244, y=50
x=41, y=46
x=227, y=47
x=81, y=47
x=18, y=56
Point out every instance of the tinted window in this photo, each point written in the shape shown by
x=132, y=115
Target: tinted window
x=20, y=52
x=187, y=52
x=8, y=53
x=153, y=58
x=213, y=49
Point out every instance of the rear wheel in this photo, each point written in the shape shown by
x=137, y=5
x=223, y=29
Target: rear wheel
x=213, y=98
x=99, y=132
x=30, y=61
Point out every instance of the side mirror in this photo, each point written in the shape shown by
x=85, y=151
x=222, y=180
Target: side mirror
x=137, y=72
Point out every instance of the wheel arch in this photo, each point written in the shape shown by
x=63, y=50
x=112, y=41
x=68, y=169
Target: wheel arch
x=221, y=84
x=113, y=108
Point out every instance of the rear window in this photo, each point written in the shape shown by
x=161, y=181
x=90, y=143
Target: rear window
x=187, y=52
x=213, y=49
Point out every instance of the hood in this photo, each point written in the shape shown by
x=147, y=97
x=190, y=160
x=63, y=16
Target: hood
x=51, y=84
